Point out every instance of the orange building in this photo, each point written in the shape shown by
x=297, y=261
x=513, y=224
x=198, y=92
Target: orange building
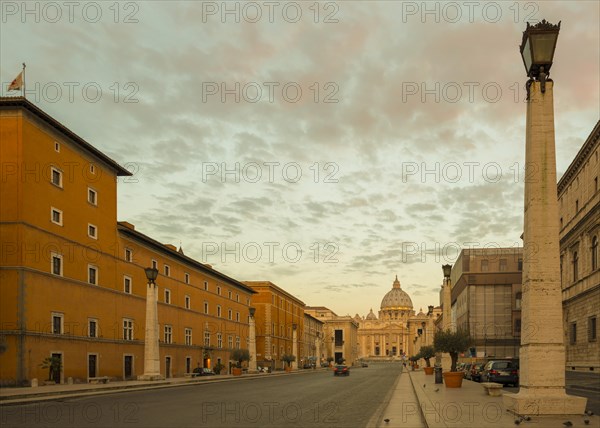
x=279, y=318
x=72, y=278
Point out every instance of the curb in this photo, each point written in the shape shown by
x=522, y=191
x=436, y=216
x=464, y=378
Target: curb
x=51, y=395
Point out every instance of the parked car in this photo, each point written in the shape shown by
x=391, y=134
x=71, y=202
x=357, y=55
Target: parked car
x=474, y=373
x=505, y=372
x=341, y=370
x=466, y=368
x=202, y=371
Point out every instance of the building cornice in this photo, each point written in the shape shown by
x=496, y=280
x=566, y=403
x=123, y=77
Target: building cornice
x=583, y=153
x=7, y=103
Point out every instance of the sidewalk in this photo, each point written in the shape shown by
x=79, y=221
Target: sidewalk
x=468, y=406
x=24, y=395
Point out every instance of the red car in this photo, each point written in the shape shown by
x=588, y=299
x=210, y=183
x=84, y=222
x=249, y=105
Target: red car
x=341, y=371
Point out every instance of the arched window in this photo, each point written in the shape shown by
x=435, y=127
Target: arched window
x=575, y=266
x=594, y=253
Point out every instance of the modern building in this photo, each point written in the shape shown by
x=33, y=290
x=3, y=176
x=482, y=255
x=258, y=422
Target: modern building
x=398, y=331
x=579, y=210
x=279, y=323
x=486, y=299
x=340, y=335
x=73, y=285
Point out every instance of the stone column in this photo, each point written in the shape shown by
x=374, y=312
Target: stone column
x=151, y=349
x=447, y=320
x=295, y=346
x=542, y=352
x=252, y=364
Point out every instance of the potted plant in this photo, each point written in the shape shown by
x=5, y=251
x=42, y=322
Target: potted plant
x=413, y=362
x=329, y=361
x=427, y=352
x=288, y=359
x=53, y=364
x=453, y=343
x=239, y=356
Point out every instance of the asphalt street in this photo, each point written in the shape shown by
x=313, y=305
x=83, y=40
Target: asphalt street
x=316, y=399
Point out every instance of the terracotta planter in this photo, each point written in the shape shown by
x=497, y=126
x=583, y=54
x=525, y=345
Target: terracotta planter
x=453, y=379
x=288, y=369
x=236, y=371
x=428, y=370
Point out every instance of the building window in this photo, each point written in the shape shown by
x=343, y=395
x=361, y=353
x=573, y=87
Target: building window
x=57, y=147
x=237, y=342
x=575, y=266
x=502, y=266
x=56, y=177
x=187, y=302
x=518, y=327
x=92, y=275
x=230, y=342
x=229, y=295
x=207, y=338
x=57, y=323
x=154, y=264
x=92, y=231
x=595, y=184
x=168, y=334
x=518, y=299
x=237, y=297
x=484, y=266
x=92, y=327
x=573, y=333
x=218, y=290
x=229, y=314
x=577, y=205
x=127, y=284
x=56, y=266
x=167, y=296
x=128, y=255
x=127, y=329
x=237, y=316
x=592, y=331
x=92, y=196
x=56, y=216
x=594, y=253
x=205, y=285
x=186, y=278
x=188, y=336
x=219, y=340
x=167, y=270
x=206, y=307
x=219, y=311
x=92, y=168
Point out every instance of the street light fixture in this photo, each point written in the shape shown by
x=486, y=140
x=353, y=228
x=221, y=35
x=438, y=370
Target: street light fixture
x=151, y=274
x=537, y=50
x=447, y=269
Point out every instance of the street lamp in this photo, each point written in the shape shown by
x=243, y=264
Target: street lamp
x=151, y=349
x=252, y=364
x=447, y=269
x=542, y=392
x=537, y=50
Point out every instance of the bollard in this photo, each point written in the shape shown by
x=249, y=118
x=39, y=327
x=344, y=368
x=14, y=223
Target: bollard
x=438, y=374
x=34, y=383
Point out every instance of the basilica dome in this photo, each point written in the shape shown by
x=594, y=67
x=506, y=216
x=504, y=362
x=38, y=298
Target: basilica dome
x=396, y=298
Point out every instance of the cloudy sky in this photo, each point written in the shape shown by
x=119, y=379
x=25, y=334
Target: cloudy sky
x=324, y=146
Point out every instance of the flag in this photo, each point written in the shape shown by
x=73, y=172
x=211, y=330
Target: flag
x=16, y=84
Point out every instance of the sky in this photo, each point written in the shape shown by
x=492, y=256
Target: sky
x=323, y=146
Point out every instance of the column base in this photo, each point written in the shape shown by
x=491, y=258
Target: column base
x=156, y=376
x=544, y=401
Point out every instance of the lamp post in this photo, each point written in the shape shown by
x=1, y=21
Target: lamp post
x=295, y=345
x=542, y=386
x=252, y=364
x=447, y=298
x=151, y=350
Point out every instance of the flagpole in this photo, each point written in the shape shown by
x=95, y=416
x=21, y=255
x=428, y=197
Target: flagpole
x=24, y=80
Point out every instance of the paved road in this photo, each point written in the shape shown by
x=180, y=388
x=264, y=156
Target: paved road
x=316, y=399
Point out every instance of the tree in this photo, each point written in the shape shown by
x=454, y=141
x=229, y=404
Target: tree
x=53, y=364
x=427, y=352
x=288, y=358
x=239, y=356
x=453, y=343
